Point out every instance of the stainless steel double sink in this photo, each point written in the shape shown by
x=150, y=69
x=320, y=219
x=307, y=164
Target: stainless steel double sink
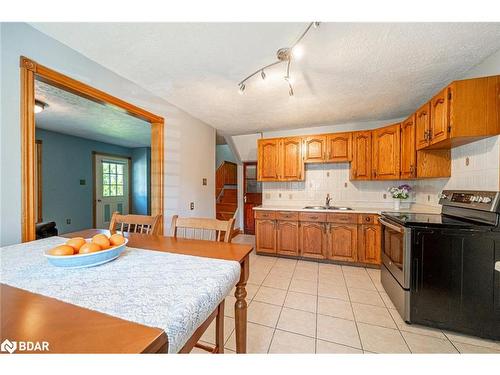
x=332, y=208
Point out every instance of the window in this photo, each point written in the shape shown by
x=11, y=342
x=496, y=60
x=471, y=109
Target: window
x=112, y=179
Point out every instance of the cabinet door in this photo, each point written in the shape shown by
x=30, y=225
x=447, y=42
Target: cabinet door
x=439, y=117
x=386, y=153
x=312, y=240
x=369, y=243
x=265, y=236
x=423, y=123
x=339, y=147
x=343, y=242
x=361, y=166
x=291, y=164
x=408, y=152
x=315, y=149
x=268, y=159
x=287, y=234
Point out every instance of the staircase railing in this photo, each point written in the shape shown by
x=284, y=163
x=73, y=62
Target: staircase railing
x=224, y=175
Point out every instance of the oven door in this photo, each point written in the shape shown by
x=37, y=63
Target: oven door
x=396, y=243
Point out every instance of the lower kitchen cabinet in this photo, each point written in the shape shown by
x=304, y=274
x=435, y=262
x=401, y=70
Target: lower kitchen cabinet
x=313, y=241
x=335, y=237
x=369, y=243
x=342, y=242
x=287, y=233
x=265, y=236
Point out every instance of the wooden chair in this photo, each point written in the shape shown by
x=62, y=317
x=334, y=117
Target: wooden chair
x=202, y=228
x=212, y=230
x=134, y=223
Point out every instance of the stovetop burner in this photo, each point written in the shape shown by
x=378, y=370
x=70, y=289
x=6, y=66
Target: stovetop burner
x=417, y=219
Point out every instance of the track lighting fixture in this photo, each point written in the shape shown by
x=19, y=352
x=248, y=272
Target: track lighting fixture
x=283, y=55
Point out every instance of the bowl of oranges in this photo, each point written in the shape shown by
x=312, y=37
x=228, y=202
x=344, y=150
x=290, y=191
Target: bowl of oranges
x=79, y=252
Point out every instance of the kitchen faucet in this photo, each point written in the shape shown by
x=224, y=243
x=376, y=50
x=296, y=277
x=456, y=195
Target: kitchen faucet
x=327, y=201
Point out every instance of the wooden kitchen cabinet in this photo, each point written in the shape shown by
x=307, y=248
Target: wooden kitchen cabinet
x=408, y=151
x=369, y=243
x=440, y=106
x=315, y=149
x=280, y=159
x=268, y=158
x=287, y=233
x=422, y=126
x=386, y=152
x=361, y=165
x=291, y=166
x=464, y=112
x=339, y=147
x=265, y=236
x=313, y=241
x=343, y=242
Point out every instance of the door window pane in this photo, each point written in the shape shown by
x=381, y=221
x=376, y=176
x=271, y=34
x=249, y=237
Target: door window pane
x=112, y=179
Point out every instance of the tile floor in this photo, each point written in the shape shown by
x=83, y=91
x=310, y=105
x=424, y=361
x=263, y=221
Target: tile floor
x=307, y=307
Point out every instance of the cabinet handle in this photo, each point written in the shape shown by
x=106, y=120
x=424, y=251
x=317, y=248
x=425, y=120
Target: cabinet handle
x=313, y=217
x=374, y=173
x=423, y=113
x=367, y=218
x=438, y=101
x=411, y=169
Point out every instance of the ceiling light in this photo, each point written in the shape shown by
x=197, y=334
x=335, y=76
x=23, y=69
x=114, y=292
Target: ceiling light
x=283, y=55
x=39, y=106
x=297, y=51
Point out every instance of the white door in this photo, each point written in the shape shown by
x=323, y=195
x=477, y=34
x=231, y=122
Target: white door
x=111, y=187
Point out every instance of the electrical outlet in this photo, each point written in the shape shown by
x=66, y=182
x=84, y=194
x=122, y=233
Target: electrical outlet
x=83, y=182
x=467, y=161
x=428, y=198
x=279, y=195
x=68, y=221
x=345, y=184
x=385, y=196
x=191, y=206
x=204, y=182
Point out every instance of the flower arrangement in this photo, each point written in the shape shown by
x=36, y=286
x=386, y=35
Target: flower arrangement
x=400, y=192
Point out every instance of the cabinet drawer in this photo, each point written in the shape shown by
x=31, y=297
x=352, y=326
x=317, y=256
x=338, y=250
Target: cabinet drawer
x=343, y=218
x=368, y=219
x=287, y=216
x=312, y=217
x=268, y=215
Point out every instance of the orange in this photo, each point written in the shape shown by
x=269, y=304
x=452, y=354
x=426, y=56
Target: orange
x=89, y=248
x=101, y=240
x=117, y=239
x=61, y=250
x=76, y=243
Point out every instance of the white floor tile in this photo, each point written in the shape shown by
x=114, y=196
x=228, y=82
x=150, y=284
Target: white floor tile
x=287, y=342
x=339, y=331
x=381, y=340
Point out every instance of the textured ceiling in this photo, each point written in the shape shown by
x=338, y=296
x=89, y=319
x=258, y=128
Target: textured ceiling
x=349, y=71
x=73, y=115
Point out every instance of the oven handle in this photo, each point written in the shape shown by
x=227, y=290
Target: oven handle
x=391, y=226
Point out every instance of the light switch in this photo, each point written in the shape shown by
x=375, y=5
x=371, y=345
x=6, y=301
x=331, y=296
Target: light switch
x=191, y=206
x=204, y=182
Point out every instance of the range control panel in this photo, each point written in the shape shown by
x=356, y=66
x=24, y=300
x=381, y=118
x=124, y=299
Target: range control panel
x=480, y=200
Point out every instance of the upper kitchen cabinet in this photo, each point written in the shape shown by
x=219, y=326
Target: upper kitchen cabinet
x=339, y=147
x=315, y=149
x=386, y=152
x=291, y=166
x=464, y=112
x=361, y=166
x=268, y=158
x=422, y=126
x=408, y=152
x=440, y=105
x=280, y=159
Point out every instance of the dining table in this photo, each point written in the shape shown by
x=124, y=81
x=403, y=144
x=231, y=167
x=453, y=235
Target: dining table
x=70, y=328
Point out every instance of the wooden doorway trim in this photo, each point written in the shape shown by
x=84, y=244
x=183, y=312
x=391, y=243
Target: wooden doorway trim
x=31, y=70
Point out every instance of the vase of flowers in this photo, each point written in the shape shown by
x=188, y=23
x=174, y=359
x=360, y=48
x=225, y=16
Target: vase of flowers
x=399, y=193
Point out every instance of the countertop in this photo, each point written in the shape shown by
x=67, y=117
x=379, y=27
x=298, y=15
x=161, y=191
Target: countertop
x=356, y=209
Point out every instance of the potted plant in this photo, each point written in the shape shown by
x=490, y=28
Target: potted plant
x=398, y=193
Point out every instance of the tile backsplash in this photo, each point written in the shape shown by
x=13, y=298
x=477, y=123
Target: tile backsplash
x=474, y=166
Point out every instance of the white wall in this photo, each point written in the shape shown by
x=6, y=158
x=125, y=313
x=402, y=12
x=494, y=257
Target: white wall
x=224, y=153
x=189, y=143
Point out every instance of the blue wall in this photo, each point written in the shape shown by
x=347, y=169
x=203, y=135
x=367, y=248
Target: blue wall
x=65, y=161
x=141, y=192
x=224, y=153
